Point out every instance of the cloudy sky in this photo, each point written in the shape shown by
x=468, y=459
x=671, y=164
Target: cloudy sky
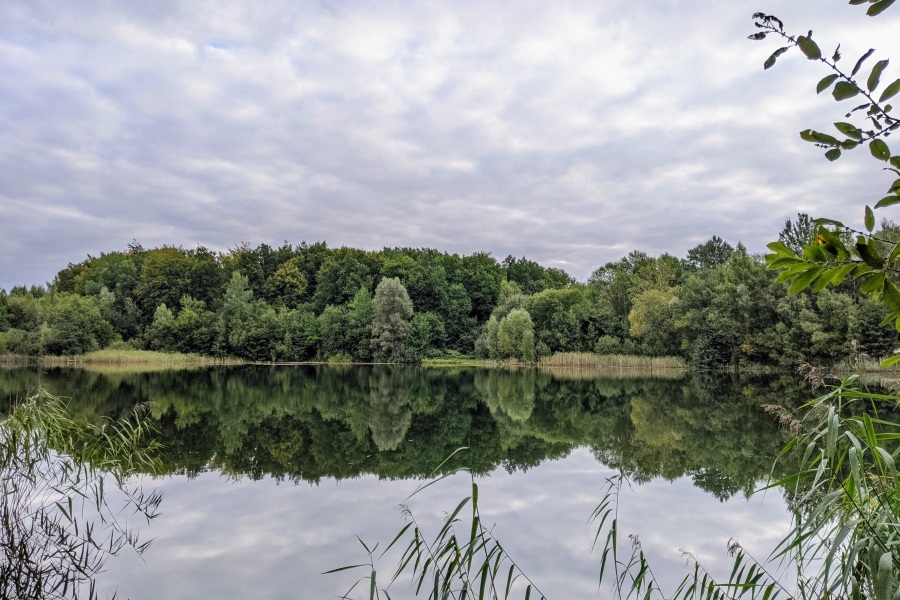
x=568, y=131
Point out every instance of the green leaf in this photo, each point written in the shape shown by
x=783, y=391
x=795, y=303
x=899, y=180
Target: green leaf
x=875, y=75
x=849, y=144
x=895, y=187
x=827, y=222
x=823, y=280
x=887, y=201
x=849, y=130
x=890, y=361
x=780, y=248
x=343, y=569
x=891, y=296
x=869, y=254
x=809, y=48
x=825, y=83
x=841, y=274
x=824, y=138
x=873, y=285
x=890, y=91
x=792, y=272
x=861, y=269
x=870, y=219
x=879, y=150
x=844, y=90
x=804, y=279
x=783, y=262
x=879, y=7
x=860, y=62
x=807, y=135
x=814, y=253
x=891, y=317
x=895, y=161
x=833, y=154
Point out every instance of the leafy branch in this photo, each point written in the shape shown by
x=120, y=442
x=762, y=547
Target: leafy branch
x=831, y=257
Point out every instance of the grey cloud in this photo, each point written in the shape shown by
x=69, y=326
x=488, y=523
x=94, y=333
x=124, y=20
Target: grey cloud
x=569, y=132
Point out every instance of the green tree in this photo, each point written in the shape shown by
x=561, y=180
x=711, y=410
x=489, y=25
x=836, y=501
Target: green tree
x=161, y=333
x=708, y=255
x=287, y=285
x=72, y=324
x=341, y=275
x=515, y=336
x=169, y=273
x=427, y=333
x=532, y=277
x=798, y=233
x=392, y=312
x=653, y=321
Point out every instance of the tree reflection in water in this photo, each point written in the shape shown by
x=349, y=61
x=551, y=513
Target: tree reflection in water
x=310, y=422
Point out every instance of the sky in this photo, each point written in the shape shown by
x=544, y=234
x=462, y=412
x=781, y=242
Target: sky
x=569, y=132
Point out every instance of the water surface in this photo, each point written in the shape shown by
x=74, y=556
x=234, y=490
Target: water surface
x=272, y=470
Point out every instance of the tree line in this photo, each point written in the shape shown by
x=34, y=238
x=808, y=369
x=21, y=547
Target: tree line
x=718, y=306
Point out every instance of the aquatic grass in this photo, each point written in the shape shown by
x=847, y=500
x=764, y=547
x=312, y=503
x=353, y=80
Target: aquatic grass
x=58, y=528
x=462, y=560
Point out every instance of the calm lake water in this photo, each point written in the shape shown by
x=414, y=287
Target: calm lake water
x=272, y=471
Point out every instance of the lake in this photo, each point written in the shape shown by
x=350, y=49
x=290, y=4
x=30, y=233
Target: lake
x=271, y=471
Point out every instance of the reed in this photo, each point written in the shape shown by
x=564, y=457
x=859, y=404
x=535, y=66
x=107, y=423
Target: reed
x=120, y=357
x=612, y=361
x=59, y=527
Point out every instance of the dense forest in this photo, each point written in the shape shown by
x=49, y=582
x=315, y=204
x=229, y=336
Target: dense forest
x=717, y=307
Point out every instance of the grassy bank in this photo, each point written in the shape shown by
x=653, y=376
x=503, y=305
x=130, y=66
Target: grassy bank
x=120, y=357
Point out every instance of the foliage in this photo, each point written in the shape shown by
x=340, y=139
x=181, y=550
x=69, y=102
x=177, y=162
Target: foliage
x=832, y=256
x=716, y=308
x=392, y=312
x=515, y=336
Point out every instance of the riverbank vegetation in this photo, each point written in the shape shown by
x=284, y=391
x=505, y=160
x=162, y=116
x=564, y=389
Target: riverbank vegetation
x=717, y=307
x=60, y=524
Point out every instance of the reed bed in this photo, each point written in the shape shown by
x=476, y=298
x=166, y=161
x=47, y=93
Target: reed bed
x=119, y=357
x=613, y=362
x=593, y=373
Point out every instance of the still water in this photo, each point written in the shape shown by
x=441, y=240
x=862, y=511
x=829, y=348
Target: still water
x=272, y=471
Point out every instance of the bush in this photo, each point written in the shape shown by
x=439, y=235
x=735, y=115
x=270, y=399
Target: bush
x=17, y=341
x=608, y=344
x=72, y=325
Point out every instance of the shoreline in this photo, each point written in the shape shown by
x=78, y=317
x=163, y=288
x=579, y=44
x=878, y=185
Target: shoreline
x=564, y=361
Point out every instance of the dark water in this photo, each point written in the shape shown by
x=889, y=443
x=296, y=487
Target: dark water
x=272, y=470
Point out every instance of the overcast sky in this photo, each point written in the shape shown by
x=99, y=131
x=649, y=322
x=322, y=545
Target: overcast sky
x=568, y=131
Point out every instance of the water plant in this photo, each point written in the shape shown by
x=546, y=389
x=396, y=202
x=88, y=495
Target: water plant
x=58, y=526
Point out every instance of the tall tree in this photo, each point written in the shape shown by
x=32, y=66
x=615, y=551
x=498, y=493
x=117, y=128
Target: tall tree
x=392, y=313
